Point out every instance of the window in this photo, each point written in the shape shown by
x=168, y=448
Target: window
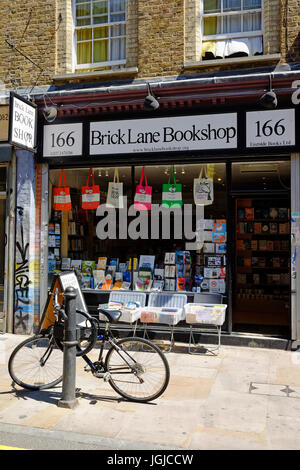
x=100, y=33
x=232, y=28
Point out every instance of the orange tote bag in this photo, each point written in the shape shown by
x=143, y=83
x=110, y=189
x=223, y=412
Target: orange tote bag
x=62, y=198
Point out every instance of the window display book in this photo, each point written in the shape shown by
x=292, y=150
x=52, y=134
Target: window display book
x=88, y=267
x=66, y=264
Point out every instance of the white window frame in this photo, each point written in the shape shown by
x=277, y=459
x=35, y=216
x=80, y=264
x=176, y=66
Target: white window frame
x=76, y=28
x=224, y=36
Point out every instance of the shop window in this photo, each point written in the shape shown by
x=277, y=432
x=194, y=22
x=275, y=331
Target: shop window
x=231, y=28
x=143, y=249
x=263, y=176
x=100, y=33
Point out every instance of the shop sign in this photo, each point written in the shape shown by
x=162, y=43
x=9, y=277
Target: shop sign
x=62, y=140
x=274, y=128
x=203, y=132
x=4, y=122
x=23, y=123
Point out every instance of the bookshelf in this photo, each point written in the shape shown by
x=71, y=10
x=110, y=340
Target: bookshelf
x=262, y=262
x=54, y=243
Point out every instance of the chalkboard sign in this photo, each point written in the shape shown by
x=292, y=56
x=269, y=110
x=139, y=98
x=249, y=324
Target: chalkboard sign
x=60, y=282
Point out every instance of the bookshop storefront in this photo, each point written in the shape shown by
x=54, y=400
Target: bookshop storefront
x=186, y=205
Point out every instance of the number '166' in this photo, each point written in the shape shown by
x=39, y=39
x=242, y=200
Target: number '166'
x=267, y=129
x=61, y=140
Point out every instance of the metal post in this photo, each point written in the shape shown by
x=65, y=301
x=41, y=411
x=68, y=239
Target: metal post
x=68, y=399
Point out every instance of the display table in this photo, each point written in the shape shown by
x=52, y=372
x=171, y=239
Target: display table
x=94, y=297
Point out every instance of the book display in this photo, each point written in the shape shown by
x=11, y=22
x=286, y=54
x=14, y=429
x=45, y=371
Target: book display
x=54, y=244
x=262, y=261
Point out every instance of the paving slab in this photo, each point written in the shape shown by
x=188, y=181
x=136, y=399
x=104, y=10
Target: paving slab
x=244, y=398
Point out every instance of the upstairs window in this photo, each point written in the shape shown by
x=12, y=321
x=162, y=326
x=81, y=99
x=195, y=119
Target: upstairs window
x=232, y=28
x=100, y=33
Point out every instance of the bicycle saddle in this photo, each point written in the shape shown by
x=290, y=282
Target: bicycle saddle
x=112, y=315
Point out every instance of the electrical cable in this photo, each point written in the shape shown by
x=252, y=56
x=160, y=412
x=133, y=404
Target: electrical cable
x=280, y=180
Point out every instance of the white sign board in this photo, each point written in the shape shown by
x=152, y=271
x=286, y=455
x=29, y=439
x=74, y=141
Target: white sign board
x=69, y=279
x=23, y=123
x=62, y=140
x=206, y=132
x=274, y=128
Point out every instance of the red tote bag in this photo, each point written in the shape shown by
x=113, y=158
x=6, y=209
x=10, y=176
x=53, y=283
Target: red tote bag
x=62, y=198
x=90, y=194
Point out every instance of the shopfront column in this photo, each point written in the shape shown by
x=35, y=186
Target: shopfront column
x=295, y=249
x=27, y=244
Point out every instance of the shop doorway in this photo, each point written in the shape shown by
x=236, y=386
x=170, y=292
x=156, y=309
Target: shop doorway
x=262, y=254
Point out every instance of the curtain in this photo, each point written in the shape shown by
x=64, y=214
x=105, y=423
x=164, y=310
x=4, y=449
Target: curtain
x=101, y=51
x=233, y=24
x=84, y=49
x=211, y=6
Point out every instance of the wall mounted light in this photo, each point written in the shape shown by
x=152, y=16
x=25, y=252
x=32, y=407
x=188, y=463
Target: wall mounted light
x=269, y=99
x=49, y=112
x=150, y=103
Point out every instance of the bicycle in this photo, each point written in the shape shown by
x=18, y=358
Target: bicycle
x=134, y=367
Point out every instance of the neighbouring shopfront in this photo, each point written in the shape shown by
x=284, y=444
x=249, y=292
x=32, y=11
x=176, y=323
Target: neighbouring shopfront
x=225, y=229
x=6, y=204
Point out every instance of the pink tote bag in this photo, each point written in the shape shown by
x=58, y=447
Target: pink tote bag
x=143, y=194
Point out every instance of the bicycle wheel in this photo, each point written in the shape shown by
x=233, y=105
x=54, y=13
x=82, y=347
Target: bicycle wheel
x=138, y=369
x=36, y=363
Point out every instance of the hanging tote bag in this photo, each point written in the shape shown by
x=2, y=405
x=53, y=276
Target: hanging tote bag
x=115, y=192
x=90, y=194
x=203, y=188
x=172, y=192
x=143, y=195
x=62, y=198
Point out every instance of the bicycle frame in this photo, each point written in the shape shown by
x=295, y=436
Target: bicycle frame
x=99, y=365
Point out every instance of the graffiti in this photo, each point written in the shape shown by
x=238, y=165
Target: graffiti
x=22, y=281
x=21, y=320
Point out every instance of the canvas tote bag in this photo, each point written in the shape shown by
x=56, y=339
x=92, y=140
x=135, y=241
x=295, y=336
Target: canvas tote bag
x=115, y=192
x=62, y=198
x=203, y=188
x=143, y=195
x=172, y=192
x=90, y=194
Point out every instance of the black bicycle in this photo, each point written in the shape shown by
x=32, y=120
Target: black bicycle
x=134, y=367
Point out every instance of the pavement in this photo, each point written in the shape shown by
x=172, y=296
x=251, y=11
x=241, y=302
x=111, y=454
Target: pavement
x=244, y=398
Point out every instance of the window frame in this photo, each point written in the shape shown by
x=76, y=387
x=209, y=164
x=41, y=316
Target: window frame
x=109, y=24
x=223, y=36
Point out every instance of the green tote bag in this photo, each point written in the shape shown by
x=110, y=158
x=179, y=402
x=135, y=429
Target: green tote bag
x=172, y=193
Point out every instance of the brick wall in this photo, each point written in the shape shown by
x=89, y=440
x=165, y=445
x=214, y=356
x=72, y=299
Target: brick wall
x=290, y=30
x=160, y=37
x=38, y=42
x=64, y=38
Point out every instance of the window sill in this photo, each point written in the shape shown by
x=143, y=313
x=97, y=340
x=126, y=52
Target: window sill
x=234, y=60
x=97, y=74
